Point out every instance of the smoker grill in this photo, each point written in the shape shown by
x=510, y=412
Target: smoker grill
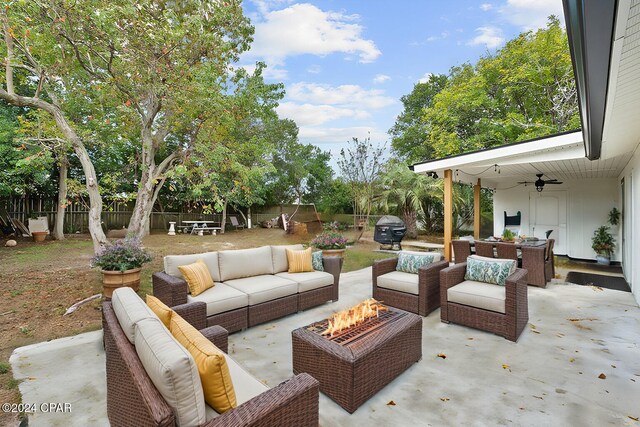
x=390, y=230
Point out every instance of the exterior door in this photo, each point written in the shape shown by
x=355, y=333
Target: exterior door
x=549, y=212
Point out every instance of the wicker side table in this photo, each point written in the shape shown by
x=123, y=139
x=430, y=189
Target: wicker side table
x=351, y=373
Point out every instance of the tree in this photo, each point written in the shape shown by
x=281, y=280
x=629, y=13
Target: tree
x=410, y=130
x=403, y=191
x=360, y=167
x=23, y=55
x=335, y=198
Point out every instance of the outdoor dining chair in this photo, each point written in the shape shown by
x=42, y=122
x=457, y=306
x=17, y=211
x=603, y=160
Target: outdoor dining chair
x=484, y=249
x=461, y=250
x=507, y=250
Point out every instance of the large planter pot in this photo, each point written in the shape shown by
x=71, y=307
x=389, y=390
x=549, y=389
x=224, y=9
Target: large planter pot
x=333, y=252
x=112, y=280
x=39, y=236
x=603, y=260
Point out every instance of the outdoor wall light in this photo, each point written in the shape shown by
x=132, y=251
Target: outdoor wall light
x=433, y=175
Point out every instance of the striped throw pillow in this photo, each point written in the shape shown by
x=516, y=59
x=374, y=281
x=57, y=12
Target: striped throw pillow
x=161, y=310
x=299, y=261
x=197, y=277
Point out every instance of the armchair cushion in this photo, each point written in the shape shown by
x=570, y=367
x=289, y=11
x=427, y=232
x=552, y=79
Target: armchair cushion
x=197, y=277
x=130, y=309
x=172, y=370
x=221, y=298
x=489, y=270
x=299, y=261
x=411, y=262
x=310, y=280
x=400, y=281
x=211, y=362
x=479, y=295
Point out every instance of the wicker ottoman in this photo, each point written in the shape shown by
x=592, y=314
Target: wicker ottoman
x=352, y=371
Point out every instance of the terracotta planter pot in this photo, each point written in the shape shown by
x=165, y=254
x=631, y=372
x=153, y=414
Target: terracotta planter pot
x=112, y=280
x=333, y=252
x=39, y=236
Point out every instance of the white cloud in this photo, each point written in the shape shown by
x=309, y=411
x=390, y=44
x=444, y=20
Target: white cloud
x=305, y=29
x=531, y=14
x=486, y=7
x=425, y=78
x=491, y=37
x=313, y=115
x=381, y=78
x=341, y=135
x=275, y=73
x=345, y=95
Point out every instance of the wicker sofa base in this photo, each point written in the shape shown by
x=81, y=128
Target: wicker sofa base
x=406, y=301
x=232, y=321
x=314, y=297
x=270, y=310
x=350, y=374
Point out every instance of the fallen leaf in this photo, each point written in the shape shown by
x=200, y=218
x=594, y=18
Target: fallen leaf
x=535, y=332
x=505, y=366
x=613, y=366
x=539, y=397
x=444, y=399
x=633, y=418
x=602, y=376
x=391, y=403
x=442, y=355
x=572, y=360
x=596, y=288
x=532, y=326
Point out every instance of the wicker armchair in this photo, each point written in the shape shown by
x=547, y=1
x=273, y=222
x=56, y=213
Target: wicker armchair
x=421, y=299
x=461, y=250
x=538, y=260
x=509, y=324
x=484, y=249
x=133, y=400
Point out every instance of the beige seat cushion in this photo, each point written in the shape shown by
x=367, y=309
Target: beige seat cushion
x=172, y=370
x=478, y=294
x=246, y=386
x=264, y=288
x=399, y=281
x=279, y=256
x=172, y=262
x=221, y=298
x=245, y=263
x=309, y=281
x=130, y=309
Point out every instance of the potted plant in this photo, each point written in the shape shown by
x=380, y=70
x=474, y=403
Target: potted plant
x=508, y=236
x=120, y=264
x=331, y=243
x=603, y=243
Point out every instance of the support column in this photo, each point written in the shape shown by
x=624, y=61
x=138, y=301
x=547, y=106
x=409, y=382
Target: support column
x=448, y=212
x=476, y=210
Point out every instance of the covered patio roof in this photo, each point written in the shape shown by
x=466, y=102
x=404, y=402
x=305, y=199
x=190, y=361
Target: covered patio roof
x=558, y=156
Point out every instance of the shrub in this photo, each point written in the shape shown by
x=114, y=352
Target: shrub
x=123, y=255
x=329, y=240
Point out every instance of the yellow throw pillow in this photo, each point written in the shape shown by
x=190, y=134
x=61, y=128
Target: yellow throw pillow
x=161, y=310
x=197, y=277
x=299, y=261
x=211, y=363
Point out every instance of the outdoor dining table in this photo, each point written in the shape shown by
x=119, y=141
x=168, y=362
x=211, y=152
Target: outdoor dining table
x=518, y=244
x=201, y=225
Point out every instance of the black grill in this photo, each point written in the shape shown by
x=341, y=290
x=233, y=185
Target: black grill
x=390, y=230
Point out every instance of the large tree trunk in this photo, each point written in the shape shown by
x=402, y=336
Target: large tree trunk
x=58, y=229
x=224, y=217
x=410, y=220
x=139, y=223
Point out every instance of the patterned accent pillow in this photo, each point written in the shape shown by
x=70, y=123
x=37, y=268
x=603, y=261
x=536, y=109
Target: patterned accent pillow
x=316, y=261
x=299, y=261
x=410, y=263
x=489, y=270
x=197, y=277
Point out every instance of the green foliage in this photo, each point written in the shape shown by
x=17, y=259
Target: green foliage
x=523, y=91
x=123, y=255
x=603, y=241
x=508, y=235
x=4, y=367
x=335, y=198
x=614, y=216
x=410, y=131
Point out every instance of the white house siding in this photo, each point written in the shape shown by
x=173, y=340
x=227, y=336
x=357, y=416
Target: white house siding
x=587, y=205
x=631, y=216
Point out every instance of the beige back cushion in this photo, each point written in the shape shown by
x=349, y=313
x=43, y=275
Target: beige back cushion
x=279, y=257
x=172, y=262
x=172, y=370
x=245, y=263
x=130, y=309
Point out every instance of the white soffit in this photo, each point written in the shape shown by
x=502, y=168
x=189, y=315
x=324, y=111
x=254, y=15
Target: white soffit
x=621, y=133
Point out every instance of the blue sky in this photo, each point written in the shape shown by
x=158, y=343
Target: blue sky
x=345, y=64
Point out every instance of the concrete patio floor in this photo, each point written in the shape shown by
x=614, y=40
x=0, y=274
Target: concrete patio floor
x=577, y=363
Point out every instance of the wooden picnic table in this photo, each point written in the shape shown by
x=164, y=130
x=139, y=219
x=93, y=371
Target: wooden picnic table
x=200, y=226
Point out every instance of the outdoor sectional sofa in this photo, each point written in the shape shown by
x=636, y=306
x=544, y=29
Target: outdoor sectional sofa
x=252, y=286
x=152, y=380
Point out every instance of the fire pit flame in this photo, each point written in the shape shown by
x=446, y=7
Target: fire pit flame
x=353, y=316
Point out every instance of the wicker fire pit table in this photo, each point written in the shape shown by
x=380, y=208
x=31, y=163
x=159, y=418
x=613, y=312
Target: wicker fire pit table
x=353, y=366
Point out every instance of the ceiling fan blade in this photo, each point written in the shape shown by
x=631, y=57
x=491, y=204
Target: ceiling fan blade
x=553, y=182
